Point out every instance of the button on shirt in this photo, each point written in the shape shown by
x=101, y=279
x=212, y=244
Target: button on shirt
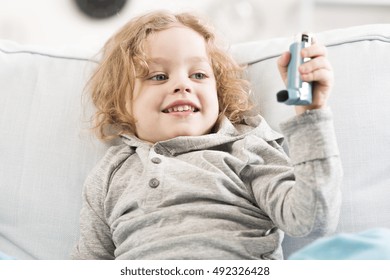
x=156, y=160
x=226, y=195
x=153, y=183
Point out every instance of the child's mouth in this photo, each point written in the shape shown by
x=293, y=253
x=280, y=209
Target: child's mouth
x=180, y=109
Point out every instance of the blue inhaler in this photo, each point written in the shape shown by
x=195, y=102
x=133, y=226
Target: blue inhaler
x=297, y=92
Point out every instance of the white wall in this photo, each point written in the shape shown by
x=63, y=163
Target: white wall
x=59, y=22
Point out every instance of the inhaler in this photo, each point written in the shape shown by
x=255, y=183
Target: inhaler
x=298, y=92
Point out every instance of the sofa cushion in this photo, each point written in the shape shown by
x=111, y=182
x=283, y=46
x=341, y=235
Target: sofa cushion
x=46, y=149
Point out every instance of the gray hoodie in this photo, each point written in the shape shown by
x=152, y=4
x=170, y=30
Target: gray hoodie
x=226, y=195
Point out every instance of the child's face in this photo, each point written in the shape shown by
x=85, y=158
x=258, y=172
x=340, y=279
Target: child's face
x=179, y=96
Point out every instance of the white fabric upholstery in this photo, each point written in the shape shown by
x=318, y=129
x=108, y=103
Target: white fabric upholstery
x=46, y=149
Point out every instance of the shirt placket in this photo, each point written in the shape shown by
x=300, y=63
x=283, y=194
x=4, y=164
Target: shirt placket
x=154, y=178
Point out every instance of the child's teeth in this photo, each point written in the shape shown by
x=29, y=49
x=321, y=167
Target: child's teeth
x=181, y=109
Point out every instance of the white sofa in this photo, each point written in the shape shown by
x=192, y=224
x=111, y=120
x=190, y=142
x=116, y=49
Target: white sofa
x=46, y=149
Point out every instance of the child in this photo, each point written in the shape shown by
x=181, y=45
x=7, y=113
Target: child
x=197, y=177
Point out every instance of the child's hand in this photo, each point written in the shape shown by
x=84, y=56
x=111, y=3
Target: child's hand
x=317, y=70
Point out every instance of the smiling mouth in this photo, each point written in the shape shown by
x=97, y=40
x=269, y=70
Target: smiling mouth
x=181, y=108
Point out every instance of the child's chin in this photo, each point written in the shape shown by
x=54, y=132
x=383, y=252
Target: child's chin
x=186, y=132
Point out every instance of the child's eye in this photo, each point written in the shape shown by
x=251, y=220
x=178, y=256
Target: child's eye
x=159, y=77
x=198, y=76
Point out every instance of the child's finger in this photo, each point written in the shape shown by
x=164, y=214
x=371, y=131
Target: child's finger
x=315, y=64
x=322, y=76
x=314, y=50
x=284, y=59
x=282, y=62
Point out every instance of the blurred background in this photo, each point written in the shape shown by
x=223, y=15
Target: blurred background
x=91, y=22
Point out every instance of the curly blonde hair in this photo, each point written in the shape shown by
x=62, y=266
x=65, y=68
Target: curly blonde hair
x=124, y=59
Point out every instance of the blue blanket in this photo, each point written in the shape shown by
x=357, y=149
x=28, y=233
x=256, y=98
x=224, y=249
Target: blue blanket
x=4, y=256
x=373, y=244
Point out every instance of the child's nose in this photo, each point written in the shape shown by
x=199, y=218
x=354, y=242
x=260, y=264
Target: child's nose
x=182, y=90
x=182, y=86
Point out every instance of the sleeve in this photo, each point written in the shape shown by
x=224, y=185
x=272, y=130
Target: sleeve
x=301, y=195
x=95, y=240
